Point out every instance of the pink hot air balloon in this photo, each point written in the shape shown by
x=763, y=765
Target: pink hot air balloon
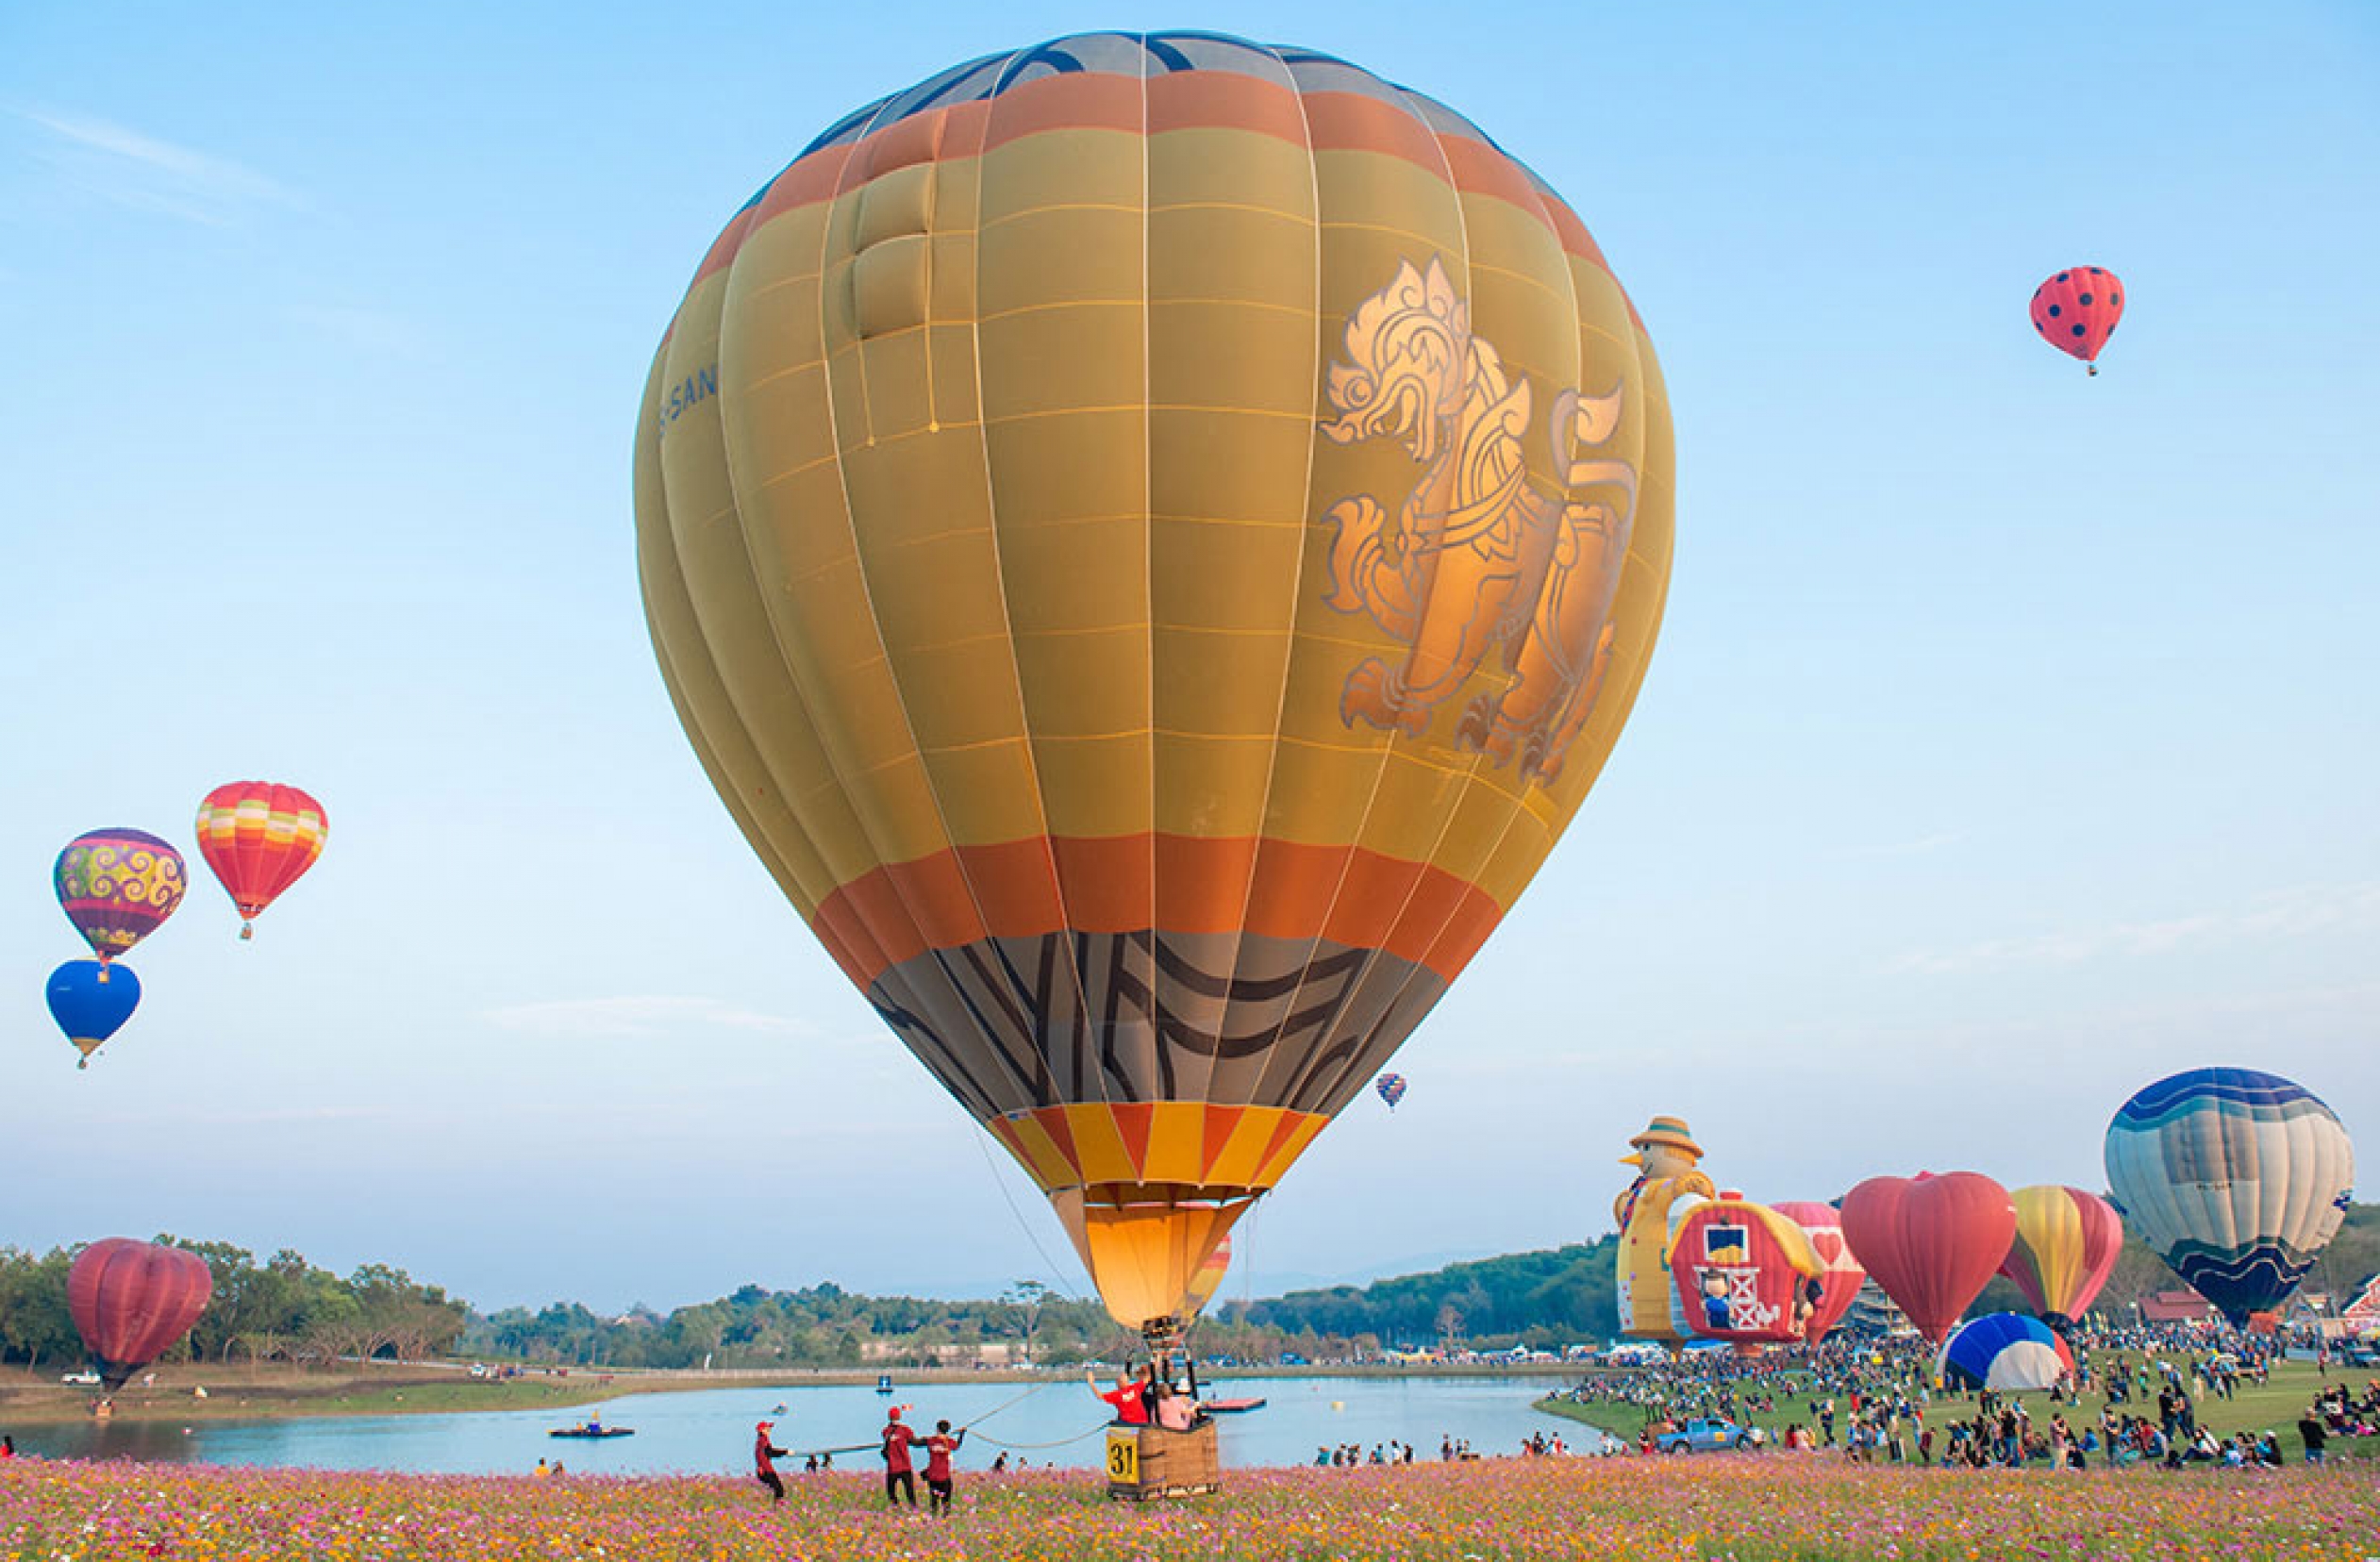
x=1839, y=1287
x=1932, y=1242
x=132, y=1301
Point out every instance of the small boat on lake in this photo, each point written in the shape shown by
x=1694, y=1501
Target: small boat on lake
x=1231, y=1406
x=593, y=1429
x=884, y=1383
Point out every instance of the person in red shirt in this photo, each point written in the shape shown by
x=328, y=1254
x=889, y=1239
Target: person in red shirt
x=1129, y=1400
x=764, y=1460
x=938, y=1448
x=900, y=1479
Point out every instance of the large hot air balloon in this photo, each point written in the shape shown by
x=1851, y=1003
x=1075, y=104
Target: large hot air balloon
x=1743, y=1270
x=1207, y=1280
x=1930, y=1242
x=260, y=839
x=132, y=1301
x=2005, y=1352
x=91, y=1002
x=1152, y=537
x=2066, y=1246
x=2238, y=1179
x=2076, y=311
x=1391, y=1088
x=1839, y=1288
x=117, y=886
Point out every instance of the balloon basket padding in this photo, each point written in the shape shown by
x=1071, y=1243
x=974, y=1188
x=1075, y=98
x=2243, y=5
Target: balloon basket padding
x=1163, y=1464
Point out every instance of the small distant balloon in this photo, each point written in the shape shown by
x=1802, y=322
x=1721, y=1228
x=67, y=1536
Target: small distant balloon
x=259, y=838
x=117, y=886
x=91, y=1002
x=2076, y=311
x=1391, y=1088
x=132, y=1301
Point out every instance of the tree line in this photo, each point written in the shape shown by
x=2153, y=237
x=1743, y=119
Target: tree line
x=288, y=1309
x=281, y=1309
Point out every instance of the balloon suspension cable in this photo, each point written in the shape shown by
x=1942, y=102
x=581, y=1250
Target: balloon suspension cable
x=1018, y=1215
x=1036, y=1447
x=1007, y=1403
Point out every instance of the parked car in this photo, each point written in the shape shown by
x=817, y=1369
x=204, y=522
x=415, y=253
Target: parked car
x=81, y=1380
x=1708, y=1436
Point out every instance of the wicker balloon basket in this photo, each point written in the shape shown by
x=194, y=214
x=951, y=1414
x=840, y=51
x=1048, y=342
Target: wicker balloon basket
x=1150, y=1463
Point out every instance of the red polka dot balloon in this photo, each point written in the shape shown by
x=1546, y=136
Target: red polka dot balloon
x=2076, y=311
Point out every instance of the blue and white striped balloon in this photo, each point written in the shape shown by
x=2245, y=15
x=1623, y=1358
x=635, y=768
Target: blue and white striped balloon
x=2238, y=1179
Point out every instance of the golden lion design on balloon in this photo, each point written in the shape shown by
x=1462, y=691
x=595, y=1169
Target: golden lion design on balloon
x=1476, y=556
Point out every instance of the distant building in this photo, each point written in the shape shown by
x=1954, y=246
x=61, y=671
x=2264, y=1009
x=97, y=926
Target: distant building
x=1873, y=1313
x=2362, y=1315
x=2179, y=1305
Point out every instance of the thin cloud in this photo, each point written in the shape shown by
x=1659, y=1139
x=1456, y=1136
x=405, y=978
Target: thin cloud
x=2281, y=914
x=144, y=174
x=645, y=1016
x=365, y=329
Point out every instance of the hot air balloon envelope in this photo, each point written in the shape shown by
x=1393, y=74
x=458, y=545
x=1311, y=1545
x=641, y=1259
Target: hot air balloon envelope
x=2066, y=1246
x=2238, y=1179
x=1839, y=1286
x=117, y=886
x=1208, y=1280
x=259, y=838
x=131, y=1301
x=1391, y=1088
x=1046, y=499
x=1930, y=1242
x=91, y=1001
x=1741, y=1270
x=2076, y=311
x=2007, y=1351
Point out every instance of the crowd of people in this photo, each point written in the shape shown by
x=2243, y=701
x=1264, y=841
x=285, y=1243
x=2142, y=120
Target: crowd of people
x=2136, y=1402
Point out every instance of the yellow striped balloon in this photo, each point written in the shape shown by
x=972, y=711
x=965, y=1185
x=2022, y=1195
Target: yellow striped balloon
x=1153, y=537
x=259, y=838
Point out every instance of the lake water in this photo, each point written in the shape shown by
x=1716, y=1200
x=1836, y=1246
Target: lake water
x=710, y=1431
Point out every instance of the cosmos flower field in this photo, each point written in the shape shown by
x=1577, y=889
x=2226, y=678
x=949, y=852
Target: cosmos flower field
x=1750, y=1509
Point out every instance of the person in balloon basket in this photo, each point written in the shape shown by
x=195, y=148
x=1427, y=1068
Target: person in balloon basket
x=764, y=1456
x=939, y=1484
x=900, y=1475
x=1133, y=1402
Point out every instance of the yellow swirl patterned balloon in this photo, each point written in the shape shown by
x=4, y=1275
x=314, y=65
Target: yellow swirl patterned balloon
x=1153, y=537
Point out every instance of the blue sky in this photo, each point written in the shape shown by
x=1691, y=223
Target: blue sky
x=2011, y=740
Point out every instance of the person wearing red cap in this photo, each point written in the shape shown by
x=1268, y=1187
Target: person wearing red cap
x=764, y=1457
x=900, y=1480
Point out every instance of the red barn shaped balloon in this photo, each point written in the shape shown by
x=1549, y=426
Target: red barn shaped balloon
x=1743, y=1272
